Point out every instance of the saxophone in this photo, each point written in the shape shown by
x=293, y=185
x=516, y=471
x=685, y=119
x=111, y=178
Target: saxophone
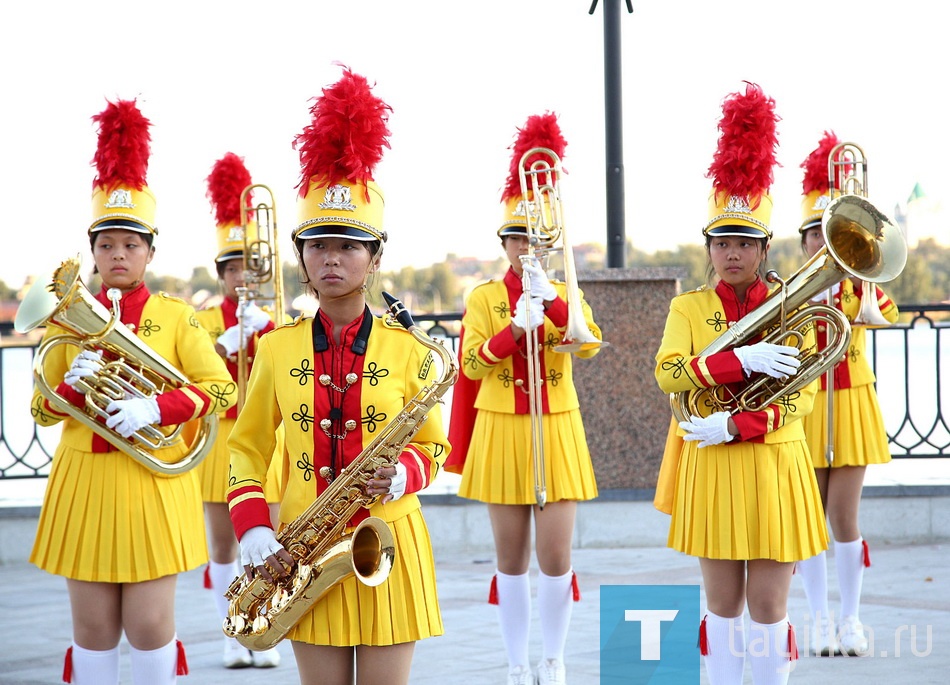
x=262, y=613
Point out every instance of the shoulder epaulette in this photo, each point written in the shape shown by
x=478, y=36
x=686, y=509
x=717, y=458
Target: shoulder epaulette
x=171, y=298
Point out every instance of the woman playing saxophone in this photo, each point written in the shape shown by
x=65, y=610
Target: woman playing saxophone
x=335, y=380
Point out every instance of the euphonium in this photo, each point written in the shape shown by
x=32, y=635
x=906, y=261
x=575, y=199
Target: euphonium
x=261, y=266
x=544, y=220
x=860, y=242
x=262, y=613
x=130, y=368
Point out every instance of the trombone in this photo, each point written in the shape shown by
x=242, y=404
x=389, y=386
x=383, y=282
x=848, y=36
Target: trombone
x=261, y=266
x=540, y=173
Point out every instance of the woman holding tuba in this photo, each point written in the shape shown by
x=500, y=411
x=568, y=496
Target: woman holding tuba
x=857, y=435
x=335, y=381
x=739, y=484
x=492, y=449
x=118, y=531
x=226, y=183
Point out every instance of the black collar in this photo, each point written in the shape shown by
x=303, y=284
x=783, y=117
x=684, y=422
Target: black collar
x=321, y=343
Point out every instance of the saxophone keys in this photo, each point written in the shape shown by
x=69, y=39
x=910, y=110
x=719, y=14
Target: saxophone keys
x=260, y=625
x=234, y=625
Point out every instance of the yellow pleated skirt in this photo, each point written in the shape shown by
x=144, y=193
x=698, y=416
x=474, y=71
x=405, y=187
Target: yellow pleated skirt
x=107, y=519
x=747, y=501
x=499, y=468
x=859, y=435
x=214, y=469
x=404, y=608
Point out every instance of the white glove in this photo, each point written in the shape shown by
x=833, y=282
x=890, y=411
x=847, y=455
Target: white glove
x=231, y=341
x=540, y=285
x=711, y=430
x=398, y=487
x=528, y=316
x=86, y=363
x=257, y=544
x=131, y=415
x=778, y=361
x=255, y=318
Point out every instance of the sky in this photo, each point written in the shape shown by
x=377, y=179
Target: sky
x=216, y=77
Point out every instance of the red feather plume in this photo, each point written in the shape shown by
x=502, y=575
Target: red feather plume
x=227, y=180
x=346, y=135
x=123, y=148
x=816, y=165
x=745, y=155
x=540, y=130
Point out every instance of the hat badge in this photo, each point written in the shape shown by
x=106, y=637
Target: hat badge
x=236, y=234
x=821, y=202
x=524, y=207
x=338, y=197
x=738, y=203
x=120, y=197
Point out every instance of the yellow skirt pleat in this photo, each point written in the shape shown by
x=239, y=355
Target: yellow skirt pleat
x=404, y=608
x=499, y=468
x=747, y=501
x=213, y=471
x=105, y=518
x=859, y=434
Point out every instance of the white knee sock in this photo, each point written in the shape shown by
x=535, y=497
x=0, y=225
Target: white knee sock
x=768, y=651
x=221, y=577
x=555, y=605
x=814, y=575
x=155, y=666
x=88, y=667
x=514, y=615
x=724, y=648
x=849, y=559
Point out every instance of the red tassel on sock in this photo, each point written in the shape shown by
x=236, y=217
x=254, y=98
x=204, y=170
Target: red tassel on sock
x=792, y=644
x=493, y=591
x=207, y=576
x=575, y=587
x=68, y=666
x=703, y=643
x=182, y=661
x=867, y=553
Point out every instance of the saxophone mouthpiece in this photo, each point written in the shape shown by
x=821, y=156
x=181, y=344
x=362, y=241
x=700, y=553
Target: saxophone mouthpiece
x=398, y=311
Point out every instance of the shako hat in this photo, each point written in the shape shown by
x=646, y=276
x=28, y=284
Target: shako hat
x=227, y=180
x=540, y=130
x=339, y=151
x=120, y=196
x=742, y=167
x=815, y=184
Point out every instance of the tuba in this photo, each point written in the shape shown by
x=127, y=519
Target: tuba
x=262, y=613
x=135, y=371
x=860, y=242
x=544, y=220
x=261, y=266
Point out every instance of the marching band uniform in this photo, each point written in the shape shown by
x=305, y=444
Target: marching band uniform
x=334, y=398
x=491, y=431
x=858, y=431
x=749, y=494
x=227, y=180
x=106, y=518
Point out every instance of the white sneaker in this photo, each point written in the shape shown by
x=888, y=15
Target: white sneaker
x=269, y=658
x=236, y=655
x=851, y=637
x=519, y=675
x=823, y=640
x=551, y=672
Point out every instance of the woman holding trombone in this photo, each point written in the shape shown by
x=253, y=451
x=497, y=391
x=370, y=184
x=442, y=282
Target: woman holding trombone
x=493, y=424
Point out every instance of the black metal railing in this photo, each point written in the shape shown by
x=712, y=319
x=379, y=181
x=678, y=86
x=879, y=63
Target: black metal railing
x=908, y=358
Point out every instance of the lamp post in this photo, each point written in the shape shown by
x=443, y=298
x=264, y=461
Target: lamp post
x=613, y=119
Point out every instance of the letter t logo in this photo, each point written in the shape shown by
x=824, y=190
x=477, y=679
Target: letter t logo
x=650, y=621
